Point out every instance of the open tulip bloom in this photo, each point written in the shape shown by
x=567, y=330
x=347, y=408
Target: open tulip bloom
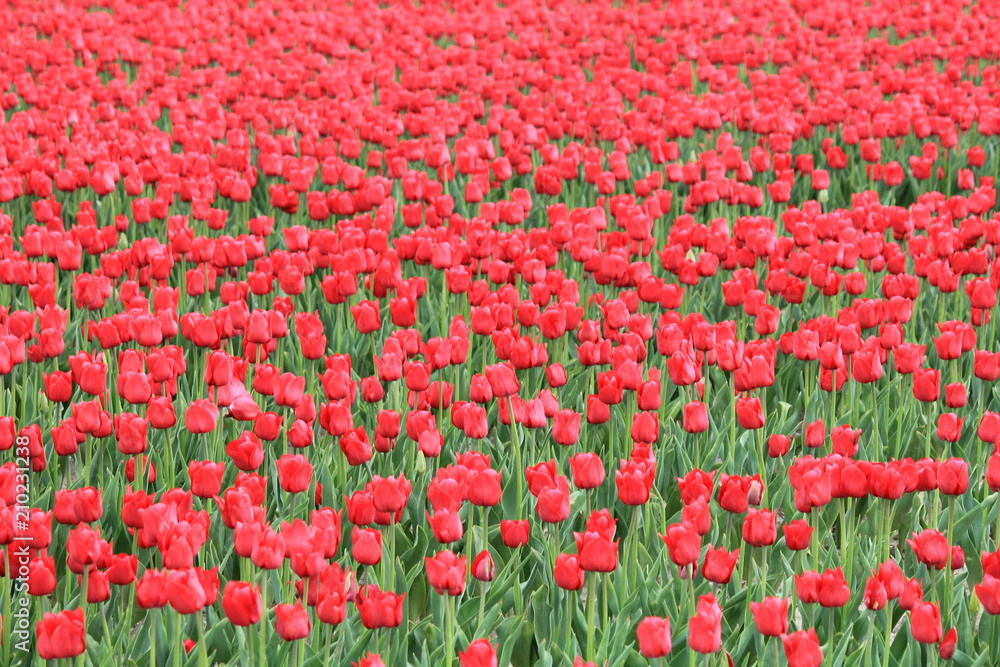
x=486, y=334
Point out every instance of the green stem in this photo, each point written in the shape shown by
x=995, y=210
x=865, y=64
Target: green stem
x=178, y=647
x=568, y=622
x=449, y=630
x=85, y=580
x=949, y=575
x=202, y=648
x=591, y=609
x=263, y=626
x=152, y=628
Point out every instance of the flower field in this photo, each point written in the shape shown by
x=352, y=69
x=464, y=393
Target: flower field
x=522, y=333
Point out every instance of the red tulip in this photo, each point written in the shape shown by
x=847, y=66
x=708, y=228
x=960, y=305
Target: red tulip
x=201, y=416
x=759, y=528
x=483, y=567
x=719, y=564
x=802, y=648
x=588, y=470
x=683, y=544
x=946, y=648
x=62, y=635
x=988, y=593
x=241, y=603
x=446, y=573
x=480, y=653
x=771, y=616
x=292, y=621
x=925, y=623
x=515, y=533
x=653, y=634
x=705, y=627
x=597, y=552
x=567, y=572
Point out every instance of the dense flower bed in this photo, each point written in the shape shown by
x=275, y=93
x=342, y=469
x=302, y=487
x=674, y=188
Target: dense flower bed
x=499, y=333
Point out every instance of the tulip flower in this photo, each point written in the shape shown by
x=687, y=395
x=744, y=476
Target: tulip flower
x=62, y=635
x=653, y=635
x=802, y=648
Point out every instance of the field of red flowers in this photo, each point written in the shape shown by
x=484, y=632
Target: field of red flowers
x=429, y=333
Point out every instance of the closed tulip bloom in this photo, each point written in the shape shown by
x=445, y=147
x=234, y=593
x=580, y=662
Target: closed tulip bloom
x=866, y=366
x=833, y=589
x=771, y=616
x=645, y=427
x=875, y=596
x=749, y=413
x=634, y=482
x=391, y=493
x=807, y=586
x=718, y=564
x=480, y=653
x=366, y=545
x=122, y=569
x=597, y=553
x=989, y=428
x=697, y=516
x=705, y=627
x=201, y=416
x=588, y=470
x=151, y=591
x=759, y=527
x=683, y=544
x=926, y=384
x=42, y=576
x=913, y=592
x=484, y=488
x=566, y=427
x=988, y=593
x=446, y=524
x=949, y=427
x=62, y=635
x=946, y=648
x=502, y=380
x=802, y=648
x=247, y=451
x=930, y=547
x=797, y=534
x=366, y=317
x=695, y=419
x=993, y=472
x=567, y=572
x=515, y=532
x=953, y=476
x=925, y=623
x=356, y=446
x=294, y=473
x=206, y=478
x=732, y=493
x=483, y=567
x=778, y=445
x=986, y=365
x=653, y=634
x=553, y=503
x=291, y=621
x=891, y=576
x=184, y=591
x=241, y=603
